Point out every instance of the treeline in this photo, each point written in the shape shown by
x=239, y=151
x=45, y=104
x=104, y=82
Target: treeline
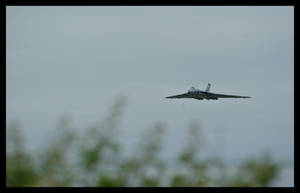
x=94, y=157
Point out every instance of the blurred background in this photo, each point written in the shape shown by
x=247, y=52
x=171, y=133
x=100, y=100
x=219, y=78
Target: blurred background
x=86, y=90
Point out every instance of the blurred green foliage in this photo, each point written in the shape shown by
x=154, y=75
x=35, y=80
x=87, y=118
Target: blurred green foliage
x=95, y=157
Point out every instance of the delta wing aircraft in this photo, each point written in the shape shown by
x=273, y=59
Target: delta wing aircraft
x=200, y=95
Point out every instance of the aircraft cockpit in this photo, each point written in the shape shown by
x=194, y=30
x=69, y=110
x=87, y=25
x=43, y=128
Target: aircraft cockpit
x=193, y=90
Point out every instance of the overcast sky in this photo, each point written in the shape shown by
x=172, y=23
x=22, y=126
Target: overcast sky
x=78, y=60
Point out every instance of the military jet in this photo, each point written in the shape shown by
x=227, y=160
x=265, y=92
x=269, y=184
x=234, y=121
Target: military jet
x=200, y=95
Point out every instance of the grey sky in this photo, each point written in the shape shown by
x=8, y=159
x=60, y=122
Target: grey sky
x=77, y=60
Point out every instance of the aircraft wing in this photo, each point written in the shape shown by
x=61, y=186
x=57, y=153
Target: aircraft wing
x=180, y=96
x=185, y=95
x=213, y=95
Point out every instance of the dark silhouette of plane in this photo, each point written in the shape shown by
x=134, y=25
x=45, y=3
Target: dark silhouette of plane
x=200, y=95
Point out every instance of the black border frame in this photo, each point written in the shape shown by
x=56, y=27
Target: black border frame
x=5, y=3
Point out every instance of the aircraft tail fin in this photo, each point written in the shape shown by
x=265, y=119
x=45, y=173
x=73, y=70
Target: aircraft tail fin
x=207, y=88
